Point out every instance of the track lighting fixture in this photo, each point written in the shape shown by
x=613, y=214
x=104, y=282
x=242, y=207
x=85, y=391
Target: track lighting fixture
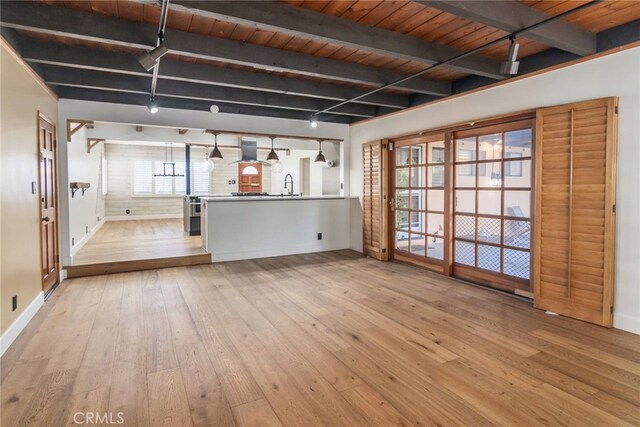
x=152, y=106
x=215, y=153
x=273, y=156
x=149, y=58
x=313, y=123
x=510, y=66
x=320, y=157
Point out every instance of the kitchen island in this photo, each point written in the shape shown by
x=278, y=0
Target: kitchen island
x=237, y=228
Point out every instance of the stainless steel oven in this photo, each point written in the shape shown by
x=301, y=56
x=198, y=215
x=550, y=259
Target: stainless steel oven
x=191, y=212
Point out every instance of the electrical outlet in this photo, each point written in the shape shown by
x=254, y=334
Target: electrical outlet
x=319, y=236
x=86, y=229
x=14, y=303
x=127, y=211
x=73, y=241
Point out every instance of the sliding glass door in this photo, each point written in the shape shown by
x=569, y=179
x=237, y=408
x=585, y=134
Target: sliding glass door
x=418, y=201
x=460, y=203
x=492, y=205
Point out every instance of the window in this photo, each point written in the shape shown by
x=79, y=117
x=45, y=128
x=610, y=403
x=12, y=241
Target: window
x=103, y=176
x=513, y=168
x=466, y=155
x=437, y=154
x=200, y=177
x=143, y=177
x=146, y=183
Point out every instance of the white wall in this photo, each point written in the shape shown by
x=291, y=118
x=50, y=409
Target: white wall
x=23, y=95
x=613, y=75
x=84, y=209
x=291, y=165
x=120, y=169
x=246, y=229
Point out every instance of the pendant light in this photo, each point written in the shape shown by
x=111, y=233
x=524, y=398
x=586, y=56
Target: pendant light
x=273, y=156
x=215, y=153
x=168, y=163
x=320, y=157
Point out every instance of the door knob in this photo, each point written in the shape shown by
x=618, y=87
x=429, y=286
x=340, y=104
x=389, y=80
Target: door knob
x=45, y=219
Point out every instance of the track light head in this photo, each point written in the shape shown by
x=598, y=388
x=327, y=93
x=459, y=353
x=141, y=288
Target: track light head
x=153, y=106
x=511, y=65
x=149, y=59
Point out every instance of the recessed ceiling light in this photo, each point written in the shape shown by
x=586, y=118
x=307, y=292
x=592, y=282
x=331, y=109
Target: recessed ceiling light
x=313, y=123
x=214, y=109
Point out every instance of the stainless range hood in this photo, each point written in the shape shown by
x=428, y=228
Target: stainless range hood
x=249, y=152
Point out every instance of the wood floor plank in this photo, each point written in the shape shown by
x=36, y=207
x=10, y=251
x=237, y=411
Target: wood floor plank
x=315, y=339
x=207, y=402
x=237, y=382
x=168, y=405
x=128, y=393
x=373, y=407
x=91, y=407
x=256, y=414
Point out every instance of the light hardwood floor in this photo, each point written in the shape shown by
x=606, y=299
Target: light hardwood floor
x=138, y=239
x=321, y=339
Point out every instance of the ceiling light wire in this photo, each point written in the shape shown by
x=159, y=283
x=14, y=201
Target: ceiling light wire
x=461, y=55
x=159, y=41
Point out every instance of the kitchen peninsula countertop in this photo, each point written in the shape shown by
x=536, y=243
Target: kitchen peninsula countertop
x=267, y=198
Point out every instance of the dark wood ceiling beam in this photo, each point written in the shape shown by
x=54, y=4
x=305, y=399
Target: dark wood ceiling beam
x=88, y=26
x=65, y=92
x=273, y=16
x=38, y=52
x=510, y=16
x=63, y=76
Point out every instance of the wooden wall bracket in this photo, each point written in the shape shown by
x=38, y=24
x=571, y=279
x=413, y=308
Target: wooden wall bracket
x=73, y=129
x=75, y=186
x=92, y=142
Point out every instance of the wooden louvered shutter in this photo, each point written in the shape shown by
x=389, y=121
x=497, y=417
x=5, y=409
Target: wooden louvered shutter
x=575, y=209
x=374, y=212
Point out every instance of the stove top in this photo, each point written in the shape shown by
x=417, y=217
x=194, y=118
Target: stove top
x=250, y=193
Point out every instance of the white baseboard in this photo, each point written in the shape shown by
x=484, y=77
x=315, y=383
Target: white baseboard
x=85, y=238
x=139, y=217
x=626, y=323
x=20, y=323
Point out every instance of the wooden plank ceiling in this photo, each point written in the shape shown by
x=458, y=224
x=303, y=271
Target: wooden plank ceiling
x=402, y=17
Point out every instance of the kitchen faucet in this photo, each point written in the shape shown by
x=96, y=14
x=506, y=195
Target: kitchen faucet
x=286, y=182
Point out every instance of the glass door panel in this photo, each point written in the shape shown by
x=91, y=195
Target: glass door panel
x=492, y=204
x=419, y=200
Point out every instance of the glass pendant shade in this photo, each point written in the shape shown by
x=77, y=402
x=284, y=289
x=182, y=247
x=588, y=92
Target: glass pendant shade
x=277, y=167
